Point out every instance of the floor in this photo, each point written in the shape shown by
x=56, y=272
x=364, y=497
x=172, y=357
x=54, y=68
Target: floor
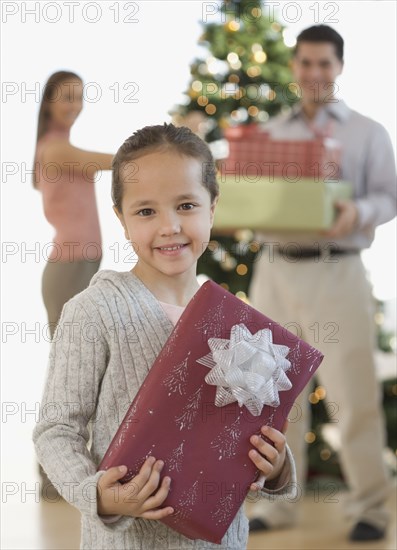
x=322, y=527
x=30, y=524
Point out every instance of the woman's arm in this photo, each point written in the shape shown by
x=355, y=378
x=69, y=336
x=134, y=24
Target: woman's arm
x=74, y=160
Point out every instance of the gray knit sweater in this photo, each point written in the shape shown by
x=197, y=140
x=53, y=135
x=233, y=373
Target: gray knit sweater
x=107, y=339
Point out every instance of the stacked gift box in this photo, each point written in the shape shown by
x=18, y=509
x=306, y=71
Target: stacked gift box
x=279, y=184
x=251, y=149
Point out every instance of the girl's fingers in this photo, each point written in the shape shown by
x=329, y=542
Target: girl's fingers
x=152, y=482
x=157, y=514
x=132, y=489
x=259, y=483
x=146, y=468
x=264, y=448
x=144, y=473
x=157, y=500
x=260, y=462
x=143, y=485
x=274, y=435
x=111, y=476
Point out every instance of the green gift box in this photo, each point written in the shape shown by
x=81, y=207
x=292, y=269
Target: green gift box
x=304, y=205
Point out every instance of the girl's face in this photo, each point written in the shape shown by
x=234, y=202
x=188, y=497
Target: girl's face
x=167, y=214
x=66, y=103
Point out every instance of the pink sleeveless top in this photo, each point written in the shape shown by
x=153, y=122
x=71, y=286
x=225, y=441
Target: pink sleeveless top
x=69, y=206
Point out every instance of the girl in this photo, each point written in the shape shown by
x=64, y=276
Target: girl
x=65, y=176
x=164, y=191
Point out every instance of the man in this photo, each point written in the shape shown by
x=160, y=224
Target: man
x=323, y=286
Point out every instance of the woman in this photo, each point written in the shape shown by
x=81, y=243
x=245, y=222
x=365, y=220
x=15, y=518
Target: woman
x=65, y=176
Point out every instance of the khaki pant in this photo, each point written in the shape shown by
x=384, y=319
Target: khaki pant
x=328, y=302
x=63, y=280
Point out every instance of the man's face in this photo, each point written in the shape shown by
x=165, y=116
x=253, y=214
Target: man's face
x=316, y=67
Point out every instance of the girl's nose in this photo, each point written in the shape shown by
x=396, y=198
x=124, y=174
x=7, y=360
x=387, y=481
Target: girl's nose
x=170, y=224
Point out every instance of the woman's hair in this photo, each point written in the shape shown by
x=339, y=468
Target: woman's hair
x=50, y=92
x=163, y=137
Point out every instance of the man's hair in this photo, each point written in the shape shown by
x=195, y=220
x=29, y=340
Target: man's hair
x=322, y=33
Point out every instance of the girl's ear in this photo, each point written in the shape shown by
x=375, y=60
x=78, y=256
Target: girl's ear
x=121, y=218
x=212, y=210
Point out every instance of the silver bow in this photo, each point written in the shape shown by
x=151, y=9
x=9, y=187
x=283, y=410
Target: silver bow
x=247, y=368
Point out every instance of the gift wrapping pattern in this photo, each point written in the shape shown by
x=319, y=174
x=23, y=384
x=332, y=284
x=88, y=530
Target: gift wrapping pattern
x=256, y=154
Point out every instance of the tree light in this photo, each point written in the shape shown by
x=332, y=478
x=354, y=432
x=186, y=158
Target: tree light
x=233, y=26
x=260, y=57
x=232, y=57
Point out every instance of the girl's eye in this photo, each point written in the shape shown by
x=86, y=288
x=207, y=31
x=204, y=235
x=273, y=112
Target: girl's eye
x=145, y=212
x=187, y=206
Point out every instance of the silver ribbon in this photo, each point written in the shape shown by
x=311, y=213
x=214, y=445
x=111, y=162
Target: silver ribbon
x=247, y=368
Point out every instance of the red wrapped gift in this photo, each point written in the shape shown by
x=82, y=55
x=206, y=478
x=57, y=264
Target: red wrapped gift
x=253, y=152
x=221, y=352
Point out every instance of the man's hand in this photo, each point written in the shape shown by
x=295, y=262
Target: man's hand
x=346, y=220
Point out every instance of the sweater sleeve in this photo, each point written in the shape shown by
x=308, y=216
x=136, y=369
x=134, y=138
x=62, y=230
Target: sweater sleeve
x=285, y=485
x=78, y=360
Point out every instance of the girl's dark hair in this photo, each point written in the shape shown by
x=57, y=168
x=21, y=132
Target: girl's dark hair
x=322, y=33
x=50, y=92
x=163, y=137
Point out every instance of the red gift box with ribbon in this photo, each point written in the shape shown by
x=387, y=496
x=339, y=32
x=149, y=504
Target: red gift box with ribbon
x=225, y=371
x=252, y=152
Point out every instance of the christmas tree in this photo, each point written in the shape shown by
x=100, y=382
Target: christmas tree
x=244, y=78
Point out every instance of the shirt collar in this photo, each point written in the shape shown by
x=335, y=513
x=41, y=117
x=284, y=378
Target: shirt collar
x=338, y=110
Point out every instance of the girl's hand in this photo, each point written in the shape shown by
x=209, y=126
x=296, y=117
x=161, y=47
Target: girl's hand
x=267, y=458
x=140, y=497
